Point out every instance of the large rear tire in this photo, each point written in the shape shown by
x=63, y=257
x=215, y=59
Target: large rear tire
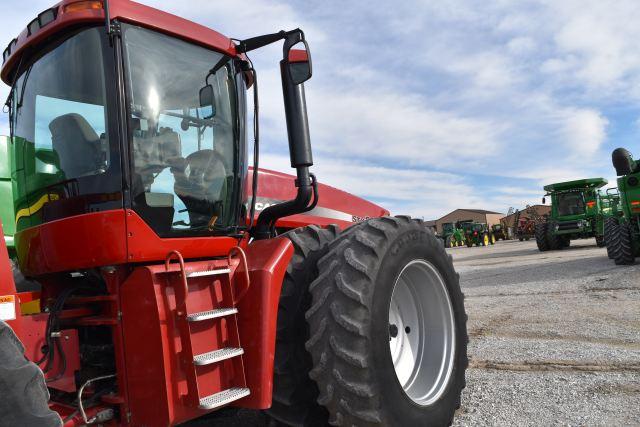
x=610, y=224
x=294, y=393
x=555, y=241
x=356, y=324
x=624, y=251
x=541, y=237
x=25, y=397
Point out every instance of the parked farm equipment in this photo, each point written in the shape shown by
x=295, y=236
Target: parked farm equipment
x=478, y=234
x=452, y=235
x=499, y=232
x=576, y=213
x=160, y=299
x=612, y=212
x=623, y=233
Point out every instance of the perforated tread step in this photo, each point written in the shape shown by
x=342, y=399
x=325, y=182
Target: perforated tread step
x=211, y=314
x=223, y=398
x=217, y=356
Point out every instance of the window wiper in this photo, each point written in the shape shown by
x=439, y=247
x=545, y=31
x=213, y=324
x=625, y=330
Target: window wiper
x=24, y=85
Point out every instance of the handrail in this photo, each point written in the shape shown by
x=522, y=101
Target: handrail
x=243, y=258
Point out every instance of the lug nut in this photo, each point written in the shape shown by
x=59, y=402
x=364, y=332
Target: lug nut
x=393, y=331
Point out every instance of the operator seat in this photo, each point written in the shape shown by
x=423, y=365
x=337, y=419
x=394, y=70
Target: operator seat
x=77, y=145
x=202, y=185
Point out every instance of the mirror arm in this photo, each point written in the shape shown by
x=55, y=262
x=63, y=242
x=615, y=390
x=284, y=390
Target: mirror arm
x=299, y=147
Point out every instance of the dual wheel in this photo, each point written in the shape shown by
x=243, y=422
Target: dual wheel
x=547, y=239
x=381, y=328
x=620, y=241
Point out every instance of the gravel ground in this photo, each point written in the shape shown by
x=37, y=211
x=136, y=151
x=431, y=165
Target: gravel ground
x=554, y=338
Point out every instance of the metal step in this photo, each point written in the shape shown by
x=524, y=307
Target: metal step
x=209, y=272
x=217, y=356
x=211, y=314
x=223, y=398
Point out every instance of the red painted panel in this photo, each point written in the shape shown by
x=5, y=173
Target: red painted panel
x=156, y=363
x=8, y=286
x=258, y=315
x=145, y=245
x=77, y=242
x=334, y=206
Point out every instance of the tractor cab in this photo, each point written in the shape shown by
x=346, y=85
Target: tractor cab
x=147, y=120
x=575, y=205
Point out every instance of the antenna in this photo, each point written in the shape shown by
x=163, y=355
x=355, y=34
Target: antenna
x=107, y=21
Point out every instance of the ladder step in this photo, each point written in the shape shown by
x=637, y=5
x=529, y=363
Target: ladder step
x=224, y=397
x=217, y=356
x=208, y=272
x=211, y=314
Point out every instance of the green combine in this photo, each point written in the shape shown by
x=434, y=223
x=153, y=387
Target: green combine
x=6, y=195
x=452, y=235
x=576, y=213
x=477, y=233
x=623, y=235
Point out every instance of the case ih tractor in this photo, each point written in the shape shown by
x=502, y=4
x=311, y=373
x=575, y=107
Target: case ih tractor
x=160, y=299
x=452, y=235
x=576, y=213
x=623, y=235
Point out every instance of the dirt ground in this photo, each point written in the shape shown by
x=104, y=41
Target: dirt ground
x=554, y=338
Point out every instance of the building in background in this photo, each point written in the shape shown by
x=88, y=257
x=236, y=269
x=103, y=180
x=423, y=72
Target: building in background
x=475, y=215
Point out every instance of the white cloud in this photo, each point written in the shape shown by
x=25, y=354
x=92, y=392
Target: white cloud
x=584, y=131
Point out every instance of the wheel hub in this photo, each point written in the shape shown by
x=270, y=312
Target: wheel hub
x=421, y=332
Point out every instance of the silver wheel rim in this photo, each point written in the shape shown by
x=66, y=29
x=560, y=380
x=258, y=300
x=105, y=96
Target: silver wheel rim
x=421, y=332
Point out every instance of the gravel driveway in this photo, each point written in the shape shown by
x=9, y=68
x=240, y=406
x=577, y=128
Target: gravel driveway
x=554, y=336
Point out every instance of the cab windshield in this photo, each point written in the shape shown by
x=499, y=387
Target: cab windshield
x=185, y=157
x=570, y=204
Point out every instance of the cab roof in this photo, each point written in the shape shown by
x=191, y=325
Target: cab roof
x=71, y=13
x=578, y=184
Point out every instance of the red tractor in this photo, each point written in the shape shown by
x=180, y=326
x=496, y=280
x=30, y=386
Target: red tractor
x=161, y=286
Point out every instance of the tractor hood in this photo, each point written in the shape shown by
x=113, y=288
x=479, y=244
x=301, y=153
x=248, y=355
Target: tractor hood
x=334, y=206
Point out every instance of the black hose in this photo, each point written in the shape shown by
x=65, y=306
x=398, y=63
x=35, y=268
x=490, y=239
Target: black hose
x=256, y=145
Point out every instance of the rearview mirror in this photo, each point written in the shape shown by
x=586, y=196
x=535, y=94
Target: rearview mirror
x=206, y=96
x=208, y=101
x=544, y=200
x=299, y=63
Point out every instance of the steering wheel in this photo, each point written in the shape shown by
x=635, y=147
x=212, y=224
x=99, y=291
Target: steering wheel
x=201, y=183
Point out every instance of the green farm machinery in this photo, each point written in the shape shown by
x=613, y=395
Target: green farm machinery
x=612, y=212
x=6, y=207
x=623, y=229
x=452, y=235
x=477, y=233
x=576, y=213
x=499, y=232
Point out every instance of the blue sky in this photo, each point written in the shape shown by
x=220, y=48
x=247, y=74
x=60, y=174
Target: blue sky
x=425, y=107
